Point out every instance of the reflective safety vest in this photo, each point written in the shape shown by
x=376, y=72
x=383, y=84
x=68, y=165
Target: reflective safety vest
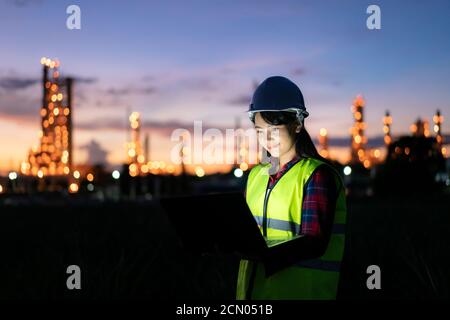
x=278, y=213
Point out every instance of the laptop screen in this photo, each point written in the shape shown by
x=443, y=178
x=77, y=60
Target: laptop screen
x=216, y=220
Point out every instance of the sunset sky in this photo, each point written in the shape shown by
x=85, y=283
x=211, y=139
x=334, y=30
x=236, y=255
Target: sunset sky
x=180, y=61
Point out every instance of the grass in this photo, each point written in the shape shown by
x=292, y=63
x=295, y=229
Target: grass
x=130, y=251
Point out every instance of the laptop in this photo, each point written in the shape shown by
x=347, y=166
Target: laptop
x=218, y=222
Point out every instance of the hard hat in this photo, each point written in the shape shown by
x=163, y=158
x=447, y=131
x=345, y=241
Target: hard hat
x=278, y=93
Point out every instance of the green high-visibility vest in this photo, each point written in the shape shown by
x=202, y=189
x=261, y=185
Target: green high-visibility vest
x=281, y=206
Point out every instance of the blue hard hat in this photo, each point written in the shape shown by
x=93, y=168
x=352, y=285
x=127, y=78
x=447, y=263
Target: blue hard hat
x=278, y=93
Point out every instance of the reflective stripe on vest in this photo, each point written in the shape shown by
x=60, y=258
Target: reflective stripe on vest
x=307, y=279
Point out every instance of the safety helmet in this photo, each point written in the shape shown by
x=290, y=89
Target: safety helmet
x=278, y=93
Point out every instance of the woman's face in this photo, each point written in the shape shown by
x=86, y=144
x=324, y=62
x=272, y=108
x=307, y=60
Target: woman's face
x=273, y=138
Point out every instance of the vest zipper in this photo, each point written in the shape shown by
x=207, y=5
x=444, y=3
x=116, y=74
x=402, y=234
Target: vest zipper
x=266, y=198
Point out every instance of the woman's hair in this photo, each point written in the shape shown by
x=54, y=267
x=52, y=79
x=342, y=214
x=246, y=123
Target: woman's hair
x=304, y=146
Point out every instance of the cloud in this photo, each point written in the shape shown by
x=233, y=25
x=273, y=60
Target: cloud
x=200, y=83
x=86, y=80
x=165, y=128
x=240, y=100
x=122, y=124
x=19, y=108
x=96, y=154
x=25, y=3
x=16, y=83
x=160, y=127
x=216, y=78
x=202, y=80
x=373, y=142
x=298, y=71
x=336, y=83
x=243, y=99
x=131, y=90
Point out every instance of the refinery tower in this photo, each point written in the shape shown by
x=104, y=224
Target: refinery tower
x=53, y=155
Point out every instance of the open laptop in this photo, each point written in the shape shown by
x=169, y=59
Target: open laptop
x=218, y=222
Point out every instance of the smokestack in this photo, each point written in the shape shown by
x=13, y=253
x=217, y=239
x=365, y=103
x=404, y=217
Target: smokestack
x=147, y=148
x=69, y=83
x=44, y=94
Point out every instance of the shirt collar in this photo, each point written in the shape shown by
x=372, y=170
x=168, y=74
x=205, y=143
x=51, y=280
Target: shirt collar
x=287, y=165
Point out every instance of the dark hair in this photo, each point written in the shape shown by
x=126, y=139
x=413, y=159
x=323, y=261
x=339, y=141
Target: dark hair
x=304, y=146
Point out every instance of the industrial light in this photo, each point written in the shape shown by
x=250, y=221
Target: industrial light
x=199, y=172
x=238, y=172
x=347, y=170
x=116, y=174
x=73, y=188
x=12, y=175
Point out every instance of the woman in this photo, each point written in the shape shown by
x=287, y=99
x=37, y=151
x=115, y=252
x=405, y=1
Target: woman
x=297, y=193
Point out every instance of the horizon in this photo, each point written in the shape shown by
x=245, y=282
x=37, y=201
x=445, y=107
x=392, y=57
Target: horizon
x=176, y=63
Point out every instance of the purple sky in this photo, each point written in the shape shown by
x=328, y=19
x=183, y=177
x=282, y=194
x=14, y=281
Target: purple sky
x=180, y=61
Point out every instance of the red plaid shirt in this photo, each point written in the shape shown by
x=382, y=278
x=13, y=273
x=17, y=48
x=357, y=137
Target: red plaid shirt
x=317, y=210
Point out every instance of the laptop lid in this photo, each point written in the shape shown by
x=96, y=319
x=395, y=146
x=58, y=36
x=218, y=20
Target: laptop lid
x=221, y=221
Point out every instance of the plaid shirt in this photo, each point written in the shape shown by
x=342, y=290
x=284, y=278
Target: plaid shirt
x=317, y=209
